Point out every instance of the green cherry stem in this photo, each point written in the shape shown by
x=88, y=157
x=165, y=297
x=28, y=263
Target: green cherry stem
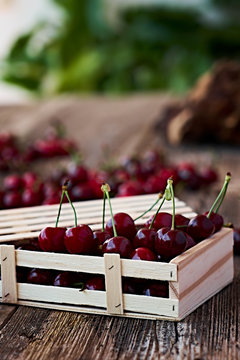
x=74, y=210
x=106, y=188
x=159, y=208
x=170, y=184
x=218, y=202
x=60, y=207
x=103, y=216
x=160, y=196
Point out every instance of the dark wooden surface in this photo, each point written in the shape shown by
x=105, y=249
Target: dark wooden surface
x=210, y=332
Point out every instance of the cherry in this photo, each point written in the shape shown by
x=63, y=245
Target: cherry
x=39, y=276
x=125, y=225
x=80, y=240
x=130, y=188
x=236, y=238
x=190, y=241
x=132, y=166
x=31, y=197
x=154, y=184
x=162, y=219
x=181, y=220
x=82, y=191
x=145, y=238
x=12, y=199
x=22, y=273
x=12, y=182
x=100, y=236
x=52, y=239
x=216, y=219
x=170, y=242
x=68, y=279
x=143, y=253
x=132, y=286
x=200, y=228
x=77, y=174
x=95, y=283
x=29, y=179
x=208, y=176
x=118, y=244
x=156, y=288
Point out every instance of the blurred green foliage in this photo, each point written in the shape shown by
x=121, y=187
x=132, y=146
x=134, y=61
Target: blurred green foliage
x=146, y=49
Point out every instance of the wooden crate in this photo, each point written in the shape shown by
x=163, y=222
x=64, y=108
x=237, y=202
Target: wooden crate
x=193, y=277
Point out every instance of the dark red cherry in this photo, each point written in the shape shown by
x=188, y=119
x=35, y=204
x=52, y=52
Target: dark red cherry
x=12, y=182
x=119, y=245
x=12, y=199
x=31, y=197
x=125, y=225
x=190, y=241
x=145, y=238
x=156, y=288
x=95, y=283
x=181, y=220
x=101, y=236
x=52, y=239
x=77, y=174
x=216, y=219
x=170, y=243
x=40, y=276
x=132, y=166
x=22, y=273
x=143, y=253
x=29, y=179
x=208, y=176
x=130, y=188
x=163, y=219
x=79, y=240
x=200, y=227
x=82, y=191
x=66, y=279
x=154, y=184
x=236, y=238
x=132, y=286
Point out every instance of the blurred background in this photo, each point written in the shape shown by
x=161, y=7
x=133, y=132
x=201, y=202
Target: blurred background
x=114, y=46
x=122, y=77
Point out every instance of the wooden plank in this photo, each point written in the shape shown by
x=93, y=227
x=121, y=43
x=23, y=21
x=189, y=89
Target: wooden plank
x=113, y=282
x=95, y=264
x=204, y=272
x=8, y=274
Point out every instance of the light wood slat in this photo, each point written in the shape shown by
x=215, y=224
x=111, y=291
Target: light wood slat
x=88, y=221
x=84, y=204
x=134, y=303
x=203, y=270
x=82, y=211
x=113, y=282
x=8, y=274
x=94, y=311
x=95, y=264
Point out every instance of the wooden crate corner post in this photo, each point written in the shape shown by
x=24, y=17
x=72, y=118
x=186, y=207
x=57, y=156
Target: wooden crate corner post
x=8, y=274
x=113, y=282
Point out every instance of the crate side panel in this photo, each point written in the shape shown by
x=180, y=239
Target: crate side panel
x=8, y=274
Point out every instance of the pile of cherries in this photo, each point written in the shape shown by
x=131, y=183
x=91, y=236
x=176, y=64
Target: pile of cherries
x=132, y=177
x=163, y=237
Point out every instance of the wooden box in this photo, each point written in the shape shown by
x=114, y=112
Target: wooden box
x=193, y=277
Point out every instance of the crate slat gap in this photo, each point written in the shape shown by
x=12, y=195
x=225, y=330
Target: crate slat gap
x=190, y=283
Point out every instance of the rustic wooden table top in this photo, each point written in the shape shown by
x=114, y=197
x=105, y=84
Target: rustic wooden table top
x=212, y=331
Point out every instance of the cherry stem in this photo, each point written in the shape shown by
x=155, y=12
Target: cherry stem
x=159, y=208
x=104, y=205
x=79, y=284
x=221, y=196
x=74, y=210
x=60, y=207
x=155, y=203
x=106, y=188
x=170, y=185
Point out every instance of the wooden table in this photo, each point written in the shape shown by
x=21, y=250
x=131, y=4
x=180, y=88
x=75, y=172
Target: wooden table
x=212, y=331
